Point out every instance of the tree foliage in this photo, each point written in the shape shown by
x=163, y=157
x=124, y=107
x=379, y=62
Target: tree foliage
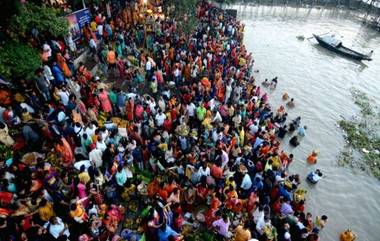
x=8, y=8
x=185, y=13
x=18, y=60
x=46, y=20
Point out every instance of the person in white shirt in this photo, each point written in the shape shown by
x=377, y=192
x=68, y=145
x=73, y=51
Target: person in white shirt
x=160, y=118
x=253, y=128
x=64, y=95
x=177, y=76
x=246, y=184
x=258, y=214
x=95, y=157
x=217, y=117
x=92, y=45
x=148, y=66
x=90, y=129
x=228, y=92
x=225, y=158
x=57, y=228
x=152, y=105
x=47, y=73
x=260, y=225
x=101, y=145
x=100, y=30
x=204, y=170
x=161, y=103
x=191, y=109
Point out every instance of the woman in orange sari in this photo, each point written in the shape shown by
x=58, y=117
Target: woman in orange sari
x=220, y=89
x=206, y=84
x=63, y=148
x=171, y=54
x=187, y=72
x=232, y=198
x=63, y=65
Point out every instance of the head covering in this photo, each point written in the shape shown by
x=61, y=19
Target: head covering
x=19, y=98
x=92, y=146
x=243, y=168
x=61, y=116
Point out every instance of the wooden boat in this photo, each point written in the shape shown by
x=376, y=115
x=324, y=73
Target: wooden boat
x=336, y=46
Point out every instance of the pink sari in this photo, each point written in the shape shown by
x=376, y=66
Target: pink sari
x=105, y=101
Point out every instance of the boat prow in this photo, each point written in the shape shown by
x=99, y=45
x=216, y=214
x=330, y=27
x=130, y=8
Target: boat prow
x=336, y=46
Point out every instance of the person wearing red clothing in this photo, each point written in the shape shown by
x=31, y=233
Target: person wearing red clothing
x=217, y=171
x=168, y=124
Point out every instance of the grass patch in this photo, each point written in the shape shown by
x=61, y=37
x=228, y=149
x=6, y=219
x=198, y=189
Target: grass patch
x=362, y=138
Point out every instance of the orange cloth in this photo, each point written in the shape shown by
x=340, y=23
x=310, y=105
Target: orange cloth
x=312, y=159
x=63, y=65
x=206, y=83
x=65, y=151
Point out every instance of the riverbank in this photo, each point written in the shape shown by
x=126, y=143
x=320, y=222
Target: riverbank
x=320, y=82
x=202, y=162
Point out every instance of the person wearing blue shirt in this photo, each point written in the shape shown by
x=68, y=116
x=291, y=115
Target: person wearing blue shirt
x=283, y=192
x=302, y=130
x=165, y=232
x=121, y=98
x=258, y=142
x=257, y=183
x=58, y=75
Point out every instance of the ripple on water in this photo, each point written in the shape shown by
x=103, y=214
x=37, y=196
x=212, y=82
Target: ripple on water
x=320, y=81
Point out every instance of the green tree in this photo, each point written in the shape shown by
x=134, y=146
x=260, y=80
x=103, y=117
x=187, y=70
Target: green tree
x=18, y=60
x=8, y=8
x=185, y=13
x=45, y=19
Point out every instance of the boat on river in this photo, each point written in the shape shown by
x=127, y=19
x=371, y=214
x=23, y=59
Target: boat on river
x=331, y=43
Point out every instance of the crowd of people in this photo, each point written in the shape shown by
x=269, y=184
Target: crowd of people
x=186, y=135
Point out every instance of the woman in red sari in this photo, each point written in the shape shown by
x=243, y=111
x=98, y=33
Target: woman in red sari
x=129, y=109
x=121, y=68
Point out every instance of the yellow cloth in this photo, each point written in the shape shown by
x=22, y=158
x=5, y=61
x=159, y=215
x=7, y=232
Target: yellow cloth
x=242, y=234
x=163, y=146
x=276, y=162
x=207, y=123
x=46, y=212
x=84, y=177
x=78, y=212
x=93, y=26
x=241, y=137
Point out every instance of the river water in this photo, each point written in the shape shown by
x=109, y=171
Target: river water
x=320, y=82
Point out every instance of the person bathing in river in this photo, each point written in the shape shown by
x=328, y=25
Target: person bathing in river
x=285, y=96
x=302, y=130
x=314, y=176
x=291, y=104
x=294, y=141
x=265, y=83
x=273, y=83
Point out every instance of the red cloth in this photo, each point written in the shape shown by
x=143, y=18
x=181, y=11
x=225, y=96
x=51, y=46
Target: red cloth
x=6, y=198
